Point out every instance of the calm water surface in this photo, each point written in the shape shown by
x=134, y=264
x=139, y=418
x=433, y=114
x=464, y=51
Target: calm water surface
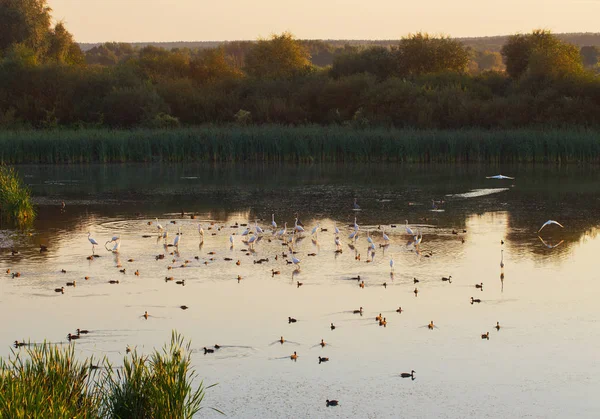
x=542, y=363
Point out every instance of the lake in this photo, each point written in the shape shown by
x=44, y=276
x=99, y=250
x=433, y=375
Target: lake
x=542, y=363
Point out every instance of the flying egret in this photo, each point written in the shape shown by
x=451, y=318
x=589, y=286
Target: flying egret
x=499, y=177
x=336, y=230
x=273, y=223
x=551, y=222
x=408, y=230
x=177, y=238
x=158, y=226
x=385, y=237
x=93, y=241
x=355, y=206
x=257, y=228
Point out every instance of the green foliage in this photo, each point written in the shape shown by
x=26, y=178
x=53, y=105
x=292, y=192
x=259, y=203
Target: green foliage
x=540, y=54
x=280, y=57
x=422, y=54
x=213, y=65
x=242, y=117
x=377, y=61
x=590, y=55
x=15, y=197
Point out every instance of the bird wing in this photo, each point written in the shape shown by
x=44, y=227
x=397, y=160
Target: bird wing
x=550, y=222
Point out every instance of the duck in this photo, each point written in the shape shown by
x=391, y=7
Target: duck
x=71, y=284
x=480, y=286
x=384, y=285
x=475, y=300
x=72, y=337
x=169, y=278
x=16, y=274
x=61, y=290
x=332, y=403
x=112, y=281
x=294, y=356
x=291, y=320
x=415, y=280
x=8, y=271
x=63, y=271
x=182, y=282
x=281, y=340
x=383, y=322
x=359, y=311
x=322, y=343
x=332, y=327
x=399, y=310
x=123, y=270
x=356, y=278
x=431, y=325
x=274, y=272
x=497, y=326
x=408, y=374
x=183, y=307
x=208, y=351
x=416, y=291
x=43, y=248
x=362, y=284
x=449, y=279
x=323, y=359
x=82, y=332
x=137, y=273
x=146, y=315
x=19, y=344
x=217, y=346
x=486, y=336
x=378, y=318
x=299, y=283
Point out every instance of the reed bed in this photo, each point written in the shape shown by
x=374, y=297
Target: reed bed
x=15, y=197
x=48, y=381
x=276, y=143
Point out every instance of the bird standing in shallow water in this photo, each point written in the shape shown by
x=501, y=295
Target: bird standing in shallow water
x=93, y=241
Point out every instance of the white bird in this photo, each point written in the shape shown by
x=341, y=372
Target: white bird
x=418, y=238
x=408, y=230
x=257, y=228
x=177, y=238
x=392, y=264
x=353, y=235
x=336, y=230
x=315, y=229
x=369, y=239
x=231, y=240
x=158, y=226
x=355, y=206
x=246, y=231
x=550, y=246
x=165, y=235
x=355, y=225
x=283, y=231
x=273, y=223
x=114, y=239
x=251, y=241
x=371, y=247
x=298, y=228
x=385, y=237
x=117, y=246
x=93, y=241
x=551, y=222
x=502, y=258
x=338, y=245
x=295, y=261
x=200, y=230
x=499, y=177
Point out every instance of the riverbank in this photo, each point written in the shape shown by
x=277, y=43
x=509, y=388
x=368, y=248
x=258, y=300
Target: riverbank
x=277, y=143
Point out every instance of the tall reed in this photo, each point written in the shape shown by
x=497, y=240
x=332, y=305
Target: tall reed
x=15, y=197
x=309, y=143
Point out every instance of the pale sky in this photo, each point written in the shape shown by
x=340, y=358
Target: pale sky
x=217, y=20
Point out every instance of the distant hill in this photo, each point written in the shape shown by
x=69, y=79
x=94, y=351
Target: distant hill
x=491, y=43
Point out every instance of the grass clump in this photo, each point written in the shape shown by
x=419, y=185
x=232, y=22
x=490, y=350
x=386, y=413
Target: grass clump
x=15, y=197
x=48, y=381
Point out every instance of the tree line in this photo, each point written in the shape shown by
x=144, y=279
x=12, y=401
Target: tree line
x=421, y=81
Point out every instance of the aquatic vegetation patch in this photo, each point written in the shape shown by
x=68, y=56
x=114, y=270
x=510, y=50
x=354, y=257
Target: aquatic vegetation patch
x=15, y=197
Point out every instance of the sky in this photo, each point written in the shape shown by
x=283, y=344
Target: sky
x=202, y=20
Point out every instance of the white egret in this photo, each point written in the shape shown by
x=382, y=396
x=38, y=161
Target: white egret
x=551, y=222
x=335, y=229
x=246, y=232
x=418, y=238
x=338, y=245
x=297, y=227
x=353, y=235
x=200, y=230
x=257, y=228
x=158, y=226
x=408, y=230
x=499, y=177
x=502, y=259
x=295, y=260
x=93, y=241
x=251, y=241
x=231, y=240
x=385, y=237
x=273, y=223
x=283, y=231
x=369, y=239
x=356, y=206
x=355, y=225
x=392, y=264
x=316, y=229
x=177, y=238
x=117, y=246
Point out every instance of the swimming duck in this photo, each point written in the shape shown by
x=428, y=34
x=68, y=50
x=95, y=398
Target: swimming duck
x=299, y=283
x=332, y=403
x=182, y=282
x=122, y=270
x=72, y=337
x=61, y=290
x=274, y=272
x=208, y=351
x=137, y=273
x=399, y=310
x=8, y=271
x=169, y=278
x=112, y=281
x=63, y=271
x=43, y=248
x=475, y=300
x=378, y=318
x=384, y=285
x=332, y=326
x=362, y=284
x=86, y=278
x=291, y=320
x=408, y=374
x=449, y=279
x=16, y=274
x=323, y=359
x=217, y=346
x=497, y=326
x=146, y=315
x=322, y=343
x=480, y=286
x=19, y=344
x=294, y=356
x=415, y=280
x=356, y=278
x=281, y=340
x=359, y=311
x=82, y=332
x=416, y=291
x=71, y=284
x=184, y=307
x=486, y=336
x=383, y=322
x=430, y=325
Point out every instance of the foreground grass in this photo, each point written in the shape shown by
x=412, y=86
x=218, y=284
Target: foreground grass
x=47, y=381
x=15, y=197
x=275, y=143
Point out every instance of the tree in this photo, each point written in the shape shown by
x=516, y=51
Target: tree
x=25, y=22
x=378, y=61
x=540, y=53
x=280, y=57
x=211, y=65
x=157, y=63
x=590, y=55
x=61, y=47
x=421, y=54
